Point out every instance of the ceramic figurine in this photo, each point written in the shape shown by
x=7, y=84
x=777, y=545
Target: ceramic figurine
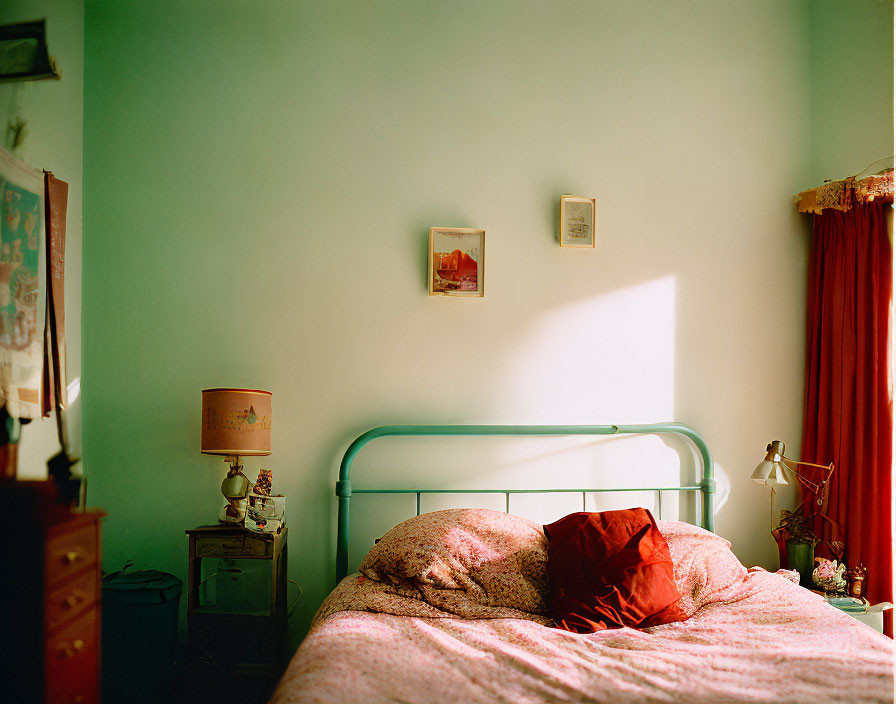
x=828, y=575
x=855, y=581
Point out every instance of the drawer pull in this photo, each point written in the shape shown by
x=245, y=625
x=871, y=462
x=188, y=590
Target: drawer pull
x=72, y=556
x=72, y=600
x=69, y=651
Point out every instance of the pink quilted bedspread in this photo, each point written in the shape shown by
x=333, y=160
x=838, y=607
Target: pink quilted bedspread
x=764, y=639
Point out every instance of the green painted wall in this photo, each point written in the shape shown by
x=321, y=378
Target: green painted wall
x=851, y=49
x=259, y=183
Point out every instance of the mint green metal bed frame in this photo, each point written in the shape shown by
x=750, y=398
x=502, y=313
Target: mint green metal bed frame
x=344, y=490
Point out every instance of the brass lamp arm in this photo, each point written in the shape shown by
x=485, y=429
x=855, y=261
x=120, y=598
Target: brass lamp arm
x=815, y=488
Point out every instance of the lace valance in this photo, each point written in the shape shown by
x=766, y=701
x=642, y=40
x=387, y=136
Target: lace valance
x=841, y=195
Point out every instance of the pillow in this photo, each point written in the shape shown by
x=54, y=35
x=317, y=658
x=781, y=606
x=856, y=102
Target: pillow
x=461, y=557
x=608, y=570
x=358, y=593
x=704, y=564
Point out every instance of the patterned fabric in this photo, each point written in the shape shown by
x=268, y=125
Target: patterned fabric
x=461, y=560
x=703, y=562
x=842, y=195
x=834, y=195
x=406, y=598
x=763, y=639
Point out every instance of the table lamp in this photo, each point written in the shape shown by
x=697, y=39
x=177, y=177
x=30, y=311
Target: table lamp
x=235, y=423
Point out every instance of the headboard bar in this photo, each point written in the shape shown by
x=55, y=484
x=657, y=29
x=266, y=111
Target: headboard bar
x=706, y=486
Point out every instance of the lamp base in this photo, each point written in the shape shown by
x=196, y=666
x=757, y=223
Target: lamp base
x=235, y=488
x=233, y=512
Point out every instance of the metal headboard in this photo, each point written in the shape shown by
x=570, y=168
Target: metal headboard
x=344, y=491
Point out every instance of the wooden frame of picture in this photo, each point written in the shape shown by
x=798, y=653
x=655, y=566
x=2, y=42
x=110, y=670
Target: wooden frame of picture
x=456, y=262
x=578, y=221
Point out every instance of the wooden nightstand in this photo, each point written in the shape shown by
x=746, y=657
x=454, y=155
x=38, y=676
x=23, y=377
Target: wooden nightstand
x=236, y=603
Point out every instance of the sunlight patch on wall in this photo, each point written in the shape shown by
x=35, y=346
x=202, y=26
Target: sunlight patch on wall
x=606, y=360
x=609, y=359
x=73, y=390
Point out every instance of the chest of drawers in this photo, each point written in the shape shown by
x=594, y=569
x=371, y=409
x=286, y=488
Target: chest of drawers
x=51, y=594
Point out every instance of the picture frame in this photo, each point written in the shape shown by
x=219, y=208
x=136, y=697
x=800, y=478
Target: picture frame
x=578, y=221
x=456, y=262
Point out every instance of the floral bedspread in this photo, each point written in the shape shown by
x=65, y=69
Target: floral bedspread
x=763, y=639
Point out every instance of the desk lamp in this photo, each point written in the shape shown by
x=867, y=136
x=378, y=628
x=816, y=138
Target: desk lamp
x=235, y=423
x=771, y=470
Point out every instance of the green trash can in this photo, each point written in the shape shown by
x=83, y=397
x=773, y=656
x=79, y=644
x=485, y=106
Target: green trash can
x=139, y=637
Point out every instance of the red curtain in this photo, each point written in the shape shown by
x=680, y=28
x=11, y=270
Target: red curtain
x=848, y=412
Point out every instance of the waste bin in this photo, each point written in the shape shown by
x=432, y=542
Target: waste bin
x=139, y=638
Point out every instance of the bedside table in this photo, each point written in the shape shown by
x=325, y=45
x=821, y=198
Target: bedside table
x=236, y=603
x=872, y=616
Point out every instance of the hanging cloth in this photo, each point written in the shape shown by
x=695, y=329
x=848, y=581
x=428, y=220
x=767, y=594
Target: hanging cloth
x=848, y=409
x=55, y=208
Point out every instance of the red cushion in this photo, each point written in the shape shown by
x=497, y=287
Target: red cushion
x=608, y=570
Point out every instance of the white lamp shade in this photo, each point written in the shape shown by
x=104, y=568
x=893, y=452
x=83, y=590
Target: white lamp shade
x=770, y=473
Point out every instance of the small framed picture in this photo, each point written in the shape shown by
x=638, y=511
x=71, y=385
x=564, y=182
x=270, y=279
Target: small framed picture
x=577, y=218
x=456, y=262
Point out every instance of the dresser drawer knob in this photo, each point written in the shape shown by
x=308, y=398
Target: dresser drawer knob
x=72, y=600
x=69, y=651
x=71, y=556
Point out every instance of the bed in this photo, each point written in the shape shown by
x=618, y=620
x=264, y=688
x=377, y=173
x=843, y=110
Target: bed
x=453, y=606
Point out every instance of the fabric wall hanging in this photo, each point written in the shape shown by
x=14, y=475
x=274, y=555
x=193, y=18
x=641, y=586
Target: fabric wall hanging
x=22, y=291
x=56, y=206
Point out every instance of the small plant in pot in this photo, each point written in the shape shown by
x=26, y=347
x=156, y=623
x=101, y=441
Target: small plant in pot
x=799, y=542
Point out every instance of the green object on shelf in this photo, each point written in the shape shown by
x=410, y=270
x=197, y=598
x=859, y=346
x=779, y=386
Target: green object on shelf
x=801, y=557
x=344, y=489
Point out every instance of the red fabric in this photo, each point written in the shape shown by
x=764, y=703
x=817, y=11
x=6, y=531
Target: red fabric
x=848, y=411
x=608, y=570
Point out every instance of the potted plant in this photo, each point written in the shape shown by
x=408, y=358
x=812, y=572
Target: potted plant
x=799, y=543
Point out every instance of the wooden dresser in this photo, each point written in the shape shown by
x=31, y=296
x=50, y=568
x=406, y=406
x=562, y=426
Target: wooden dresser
x=51, y=628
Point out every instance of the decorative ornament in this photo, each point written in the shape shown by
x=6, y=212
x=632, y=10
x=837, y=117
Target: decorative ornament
x=828, y=575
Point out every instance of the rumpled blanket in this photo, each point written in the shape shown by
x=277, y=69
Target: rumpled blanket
x=761, y=639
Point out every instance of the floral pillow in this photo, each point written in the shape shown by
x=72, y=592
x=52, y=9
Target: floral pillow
x=462, y=559
x=703, y=563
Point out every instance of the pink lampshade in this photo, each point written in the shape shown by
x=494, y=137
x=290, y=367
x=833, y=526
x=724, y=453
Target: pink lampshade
x=236, y=422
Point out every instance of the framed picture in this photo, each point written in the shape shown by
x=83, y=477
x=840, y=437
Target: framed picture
x=577, y=221
x=456, y=262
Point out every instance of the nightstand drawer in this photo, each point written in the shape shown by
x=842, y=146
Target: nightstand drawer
x=70, y=598
x=70, y=552
x=71, y=662
x=230, y=546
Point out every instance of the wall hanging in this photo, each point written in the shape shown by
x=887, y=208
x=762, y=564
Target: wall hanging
x=456, y=262
x=23, y=53
x=22, y=294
